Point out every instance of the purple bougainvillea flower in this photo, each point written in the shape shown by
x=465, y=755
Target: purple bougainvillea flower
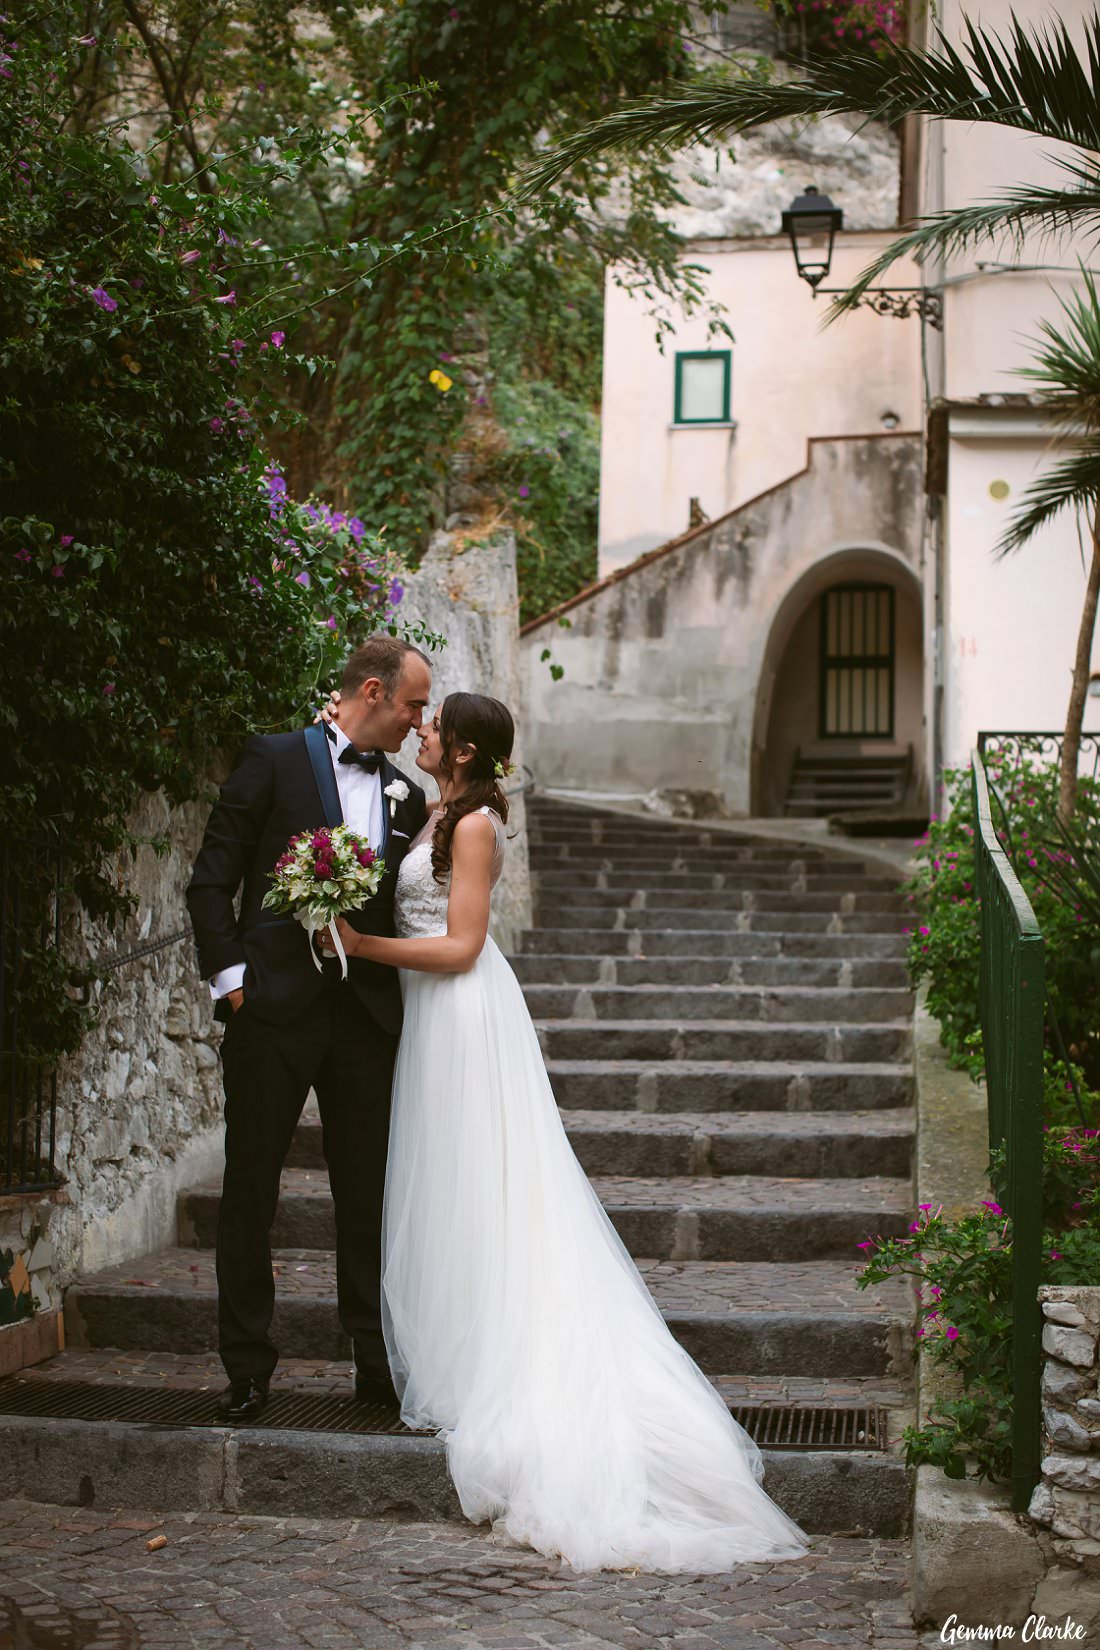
x=357, y=529
x=445, y=355
x=994, y=1208
x=57, y=572
x=397, y=591
x=217, y=425
x=331, y=621
x=278, y=339
x=302, y=579
x=866, y=1244
x=229, y=297
x=65, y=540
x=524, y=491
x=23, y=555
x=104, y=299
x=108, y=689
x=951, y=1332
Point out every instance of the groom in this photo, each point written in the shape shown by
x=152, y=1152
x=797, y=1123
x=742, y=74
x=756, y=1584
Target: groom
x=290, y=1028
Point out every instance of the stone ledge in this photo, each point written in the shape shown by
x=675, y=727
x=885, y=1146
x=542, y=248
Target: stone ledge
x=31, y=1341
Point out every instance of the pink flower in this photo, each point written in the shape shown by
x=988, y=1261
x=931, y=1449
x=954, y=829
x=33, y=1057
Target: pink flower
x=85, y=39
x=994, y=1208
x=278, y=339
x=104, y=299
x=108, y=689
x=866, y=1244
x=331, y=621
x=951, y=1332
x=57, y=572
x=217, y=425
x=322, y=870
x=366, y=856
x=302, y=579
x=229, y=297
x=23, y=555
x=65, y=540
x=524, y=491
x=191, y=257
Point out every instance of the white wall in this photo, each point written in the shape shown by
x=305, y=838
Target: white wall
x=792, y=379
x=1011, y=624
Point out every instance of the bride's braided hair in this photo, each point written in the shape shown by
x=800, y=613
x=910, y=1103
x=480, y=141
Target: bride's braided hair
x=472, y=720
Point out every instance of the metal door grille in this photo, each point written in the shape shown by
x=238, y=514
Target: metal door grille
x=857, y=662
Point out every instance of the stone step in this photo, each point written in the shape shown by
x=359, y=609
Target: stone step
x=691, y=838
x=713, y=1217
x=626, y=876
x=711, y=1040
x=665, y=899
x=268, y=1472
x=773, y=1005
x=557, y=968
x=688, y=1086
x=596, y=857
x=821, y=1145
x=759, y=1319
x=756, y=944
x=661, y=919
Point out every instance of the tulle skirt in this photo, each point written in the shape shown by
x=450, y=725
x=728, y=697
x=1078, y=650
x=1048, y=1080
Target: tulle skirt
x=518, y=1326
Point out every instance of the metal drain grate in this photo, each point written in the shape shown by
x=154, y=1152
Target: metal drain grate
x=813, y=1426
x=773, y=1426
x=187, y=1407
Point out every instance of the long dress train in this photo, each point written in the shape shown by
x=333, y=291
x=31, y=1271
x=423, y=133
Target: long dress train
x=517, y=1324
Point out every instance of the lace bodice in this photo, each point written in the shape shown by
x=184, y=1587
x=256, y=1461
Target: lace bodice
x=420, y=906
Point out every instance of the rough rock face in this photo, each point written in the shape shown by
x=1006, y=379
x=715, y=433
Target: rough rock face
x=856, y=166
x=139, y=1107
x=467, y=591
x=1067, y=1497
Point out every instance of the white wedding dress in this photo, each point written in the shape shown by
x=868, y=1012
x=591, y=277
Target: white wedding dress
x=518, y=1326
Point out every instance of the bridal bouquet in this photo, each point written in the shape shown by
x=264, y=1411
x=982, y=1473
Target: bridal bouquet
x=324, y=875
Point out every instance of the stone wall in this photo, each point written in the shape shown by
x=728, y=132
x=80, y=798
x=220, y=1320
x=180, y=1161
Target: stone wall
x=466, y=589
x=139, y=1112
x=139, y=1107
x=1067, y=1499
x=670, y=664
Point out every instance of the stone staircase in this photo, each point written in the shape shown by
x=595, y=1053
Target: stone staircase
x=821, y=785
x=726, y=1023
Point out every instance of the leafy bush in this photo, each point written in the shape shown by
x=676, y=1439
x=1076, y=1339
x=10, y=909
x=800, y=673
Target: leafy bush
x=963, y=1268
x=162, y=597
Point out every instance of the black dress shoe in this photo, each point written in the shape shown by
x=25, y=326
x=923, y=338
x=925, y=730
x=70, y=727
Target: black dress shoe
x=376, y=1389
x=242, y=1400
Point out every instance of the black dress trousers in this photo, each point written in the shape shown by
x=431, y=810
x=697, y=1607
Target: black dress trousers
x=337, y=1048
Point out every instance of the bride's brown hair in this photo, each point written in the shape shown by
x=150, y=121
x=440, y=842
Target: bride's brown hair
x=470, y=721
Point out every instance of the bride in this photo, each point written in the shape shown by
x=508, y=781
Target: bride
x=517, y=1324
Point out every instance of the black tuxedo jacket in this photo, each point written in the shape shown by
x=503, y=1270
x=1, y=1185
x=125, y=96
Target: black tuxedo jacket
x=284, y=784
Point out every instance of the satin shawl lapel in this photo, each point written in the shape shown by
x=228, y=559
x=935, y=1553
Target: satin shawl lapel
x=321, y=762
x=386, y=775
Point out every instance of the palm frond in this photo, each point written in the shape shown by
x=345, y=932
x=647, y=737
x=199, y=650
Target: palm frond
x=1035, y=82
x=1066, y=361
x=1019, y=212
x=1071, y=484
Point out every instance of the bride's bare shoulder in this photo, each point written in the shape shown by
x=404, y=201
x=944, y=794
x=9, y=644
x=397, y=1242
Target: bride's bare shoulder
x=475, y=827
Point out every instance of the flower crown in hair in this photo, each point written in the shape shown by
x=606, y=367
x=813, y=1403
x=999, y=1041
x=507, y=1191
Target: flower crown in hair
x=502, y=769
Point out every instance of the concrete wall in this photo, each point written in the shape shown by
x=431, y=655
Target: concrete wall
x=792, y=379
x=1010, y=624
x=665, y=667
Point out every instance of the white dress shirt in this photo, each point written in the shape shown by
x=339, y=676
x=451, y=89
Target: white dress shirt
x=362, y=806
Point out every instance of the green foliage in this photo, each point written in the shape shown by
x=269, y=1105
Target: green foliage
x=161, y=599
x=468, y=94
x=963, y=1272
x=963, y=1267
x=944, y=946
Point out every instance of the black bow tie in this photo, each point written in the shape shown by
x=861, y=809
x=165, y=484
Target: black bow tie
x=370, y=760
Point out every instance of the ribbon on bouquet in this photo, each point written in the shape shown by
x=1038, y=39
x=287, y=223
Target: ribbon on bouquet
x=312, y=926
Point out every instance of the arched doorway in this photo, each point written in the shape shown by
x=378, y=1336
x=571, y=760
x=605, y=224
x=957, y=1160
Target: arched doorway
x=841, y=689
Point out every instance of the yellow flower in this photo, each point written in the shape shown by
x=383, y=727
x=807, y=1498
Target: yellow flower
x=130, y=364
x=440, y=380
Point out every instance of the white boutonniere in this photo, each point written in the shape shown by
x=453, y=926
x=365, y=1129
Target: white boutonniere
x=397, y=791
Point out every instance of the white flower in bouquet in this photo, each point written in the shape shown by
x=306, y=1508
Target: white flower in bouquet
x=323, y=875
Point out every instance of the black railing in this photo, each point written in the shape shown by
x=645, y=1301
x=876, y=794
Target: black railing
x=30, y=917
x=1040, y=747
x=1012, y=1000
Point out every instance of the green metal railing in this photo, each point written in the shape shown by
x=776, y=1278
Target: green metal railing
x=1012, y=998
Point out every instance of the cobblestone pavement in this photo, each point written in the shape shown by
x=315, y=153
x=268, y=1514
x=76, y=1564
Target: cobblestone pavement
x=82, y=1579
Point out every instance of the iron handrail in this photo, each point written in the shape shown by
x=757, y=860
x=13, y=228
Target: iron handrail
x=1012, y=1000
